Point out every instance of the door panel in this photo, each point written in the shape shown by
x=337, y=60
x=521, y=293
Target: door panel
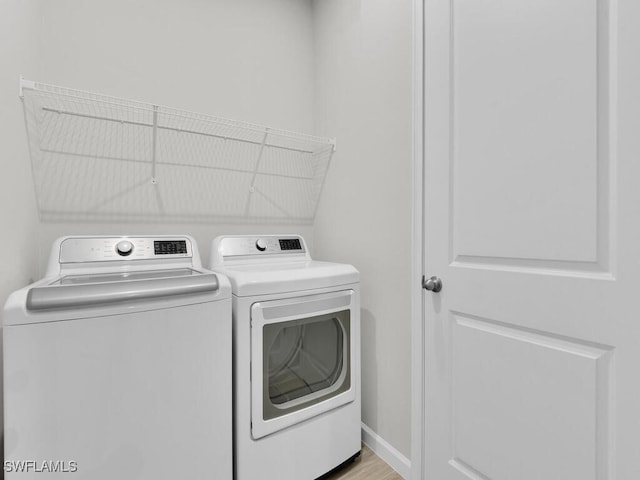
x=525, y=88
x=520, y=396
x=531, y=208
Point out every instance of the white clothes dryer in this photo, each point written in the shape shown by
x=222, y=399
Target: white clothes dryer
x=118, y=364
x=296, y=357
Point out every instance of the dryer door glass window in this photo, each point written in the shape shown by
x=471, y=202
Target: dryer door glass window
x=306, y=361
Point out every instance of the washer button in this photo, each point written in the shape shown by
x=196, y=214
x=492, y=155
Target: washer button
x=124, y=248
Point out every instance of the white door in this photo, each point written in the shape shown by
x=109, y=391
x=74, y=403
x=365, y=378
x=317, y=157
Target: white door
x=532, y=221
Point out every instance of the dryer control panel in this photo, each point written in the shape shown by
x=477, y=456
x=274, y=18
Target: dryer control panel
x=250, y=245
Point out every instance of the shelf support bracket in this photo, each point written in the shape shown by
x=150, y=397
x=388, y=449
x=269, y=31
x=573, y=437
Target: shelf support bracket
x=25, y=84
x=252, y=188
x=154, y=181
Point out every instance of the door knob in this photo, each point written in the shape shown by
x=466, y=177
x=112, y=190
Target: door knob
x=433, y=284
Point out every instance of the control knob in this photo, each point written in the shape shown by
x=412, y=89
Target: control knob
x=261, y=244
x=124, y=248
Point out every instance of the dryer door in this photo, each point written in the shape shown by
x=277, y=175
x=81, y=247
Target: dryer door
x=302, y=357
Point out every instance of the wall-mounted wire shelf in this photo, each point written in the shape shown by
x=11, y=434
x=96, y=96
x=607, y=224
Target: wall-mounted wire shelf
x=101, y=158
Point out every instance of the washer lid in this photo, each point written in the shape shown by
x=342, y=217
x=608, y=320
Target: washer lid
x=264, y=279
x=99, y=290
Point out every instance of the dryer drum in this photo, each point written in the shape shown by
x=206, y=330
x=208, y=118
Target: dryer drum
x=304, y=359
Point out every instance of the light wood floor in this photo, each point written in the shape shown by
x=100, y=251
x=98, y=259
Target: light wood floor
x=368, y=466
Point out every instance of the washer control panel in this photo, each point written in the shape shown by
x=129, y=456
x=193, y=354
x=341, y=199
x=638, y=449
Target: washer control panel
x=103, y=249
x=261, y=245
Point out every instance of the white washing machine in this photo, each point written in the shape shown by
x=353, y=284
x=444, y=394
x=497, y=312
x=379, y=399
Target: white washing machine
x=296, y=357
x=118, y=364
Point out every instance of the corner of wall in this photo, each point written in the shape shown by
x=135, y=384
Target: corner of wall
x=386, y=452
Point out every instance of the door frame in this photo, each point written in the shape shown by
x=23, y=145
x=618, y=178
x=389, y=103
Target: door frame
x=418, y=239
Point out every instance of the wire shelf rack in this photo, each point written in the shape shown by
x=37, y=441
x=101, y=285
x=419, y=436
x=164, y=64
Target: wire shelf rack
x=101, y=158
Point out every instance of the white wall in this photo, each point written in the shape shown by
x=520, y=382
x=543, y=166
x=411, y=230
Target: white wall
x=249, y=60
x=363, y=96
x=18, y=38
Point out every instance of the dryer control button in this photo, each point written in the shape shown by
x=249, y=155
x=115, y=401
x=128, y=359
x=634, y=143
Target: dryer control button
x=124, y=248
x=261, y=244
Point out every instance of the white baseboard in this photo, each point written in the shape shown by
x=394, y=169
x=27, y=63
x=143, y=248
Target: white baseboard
x=386, y=452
